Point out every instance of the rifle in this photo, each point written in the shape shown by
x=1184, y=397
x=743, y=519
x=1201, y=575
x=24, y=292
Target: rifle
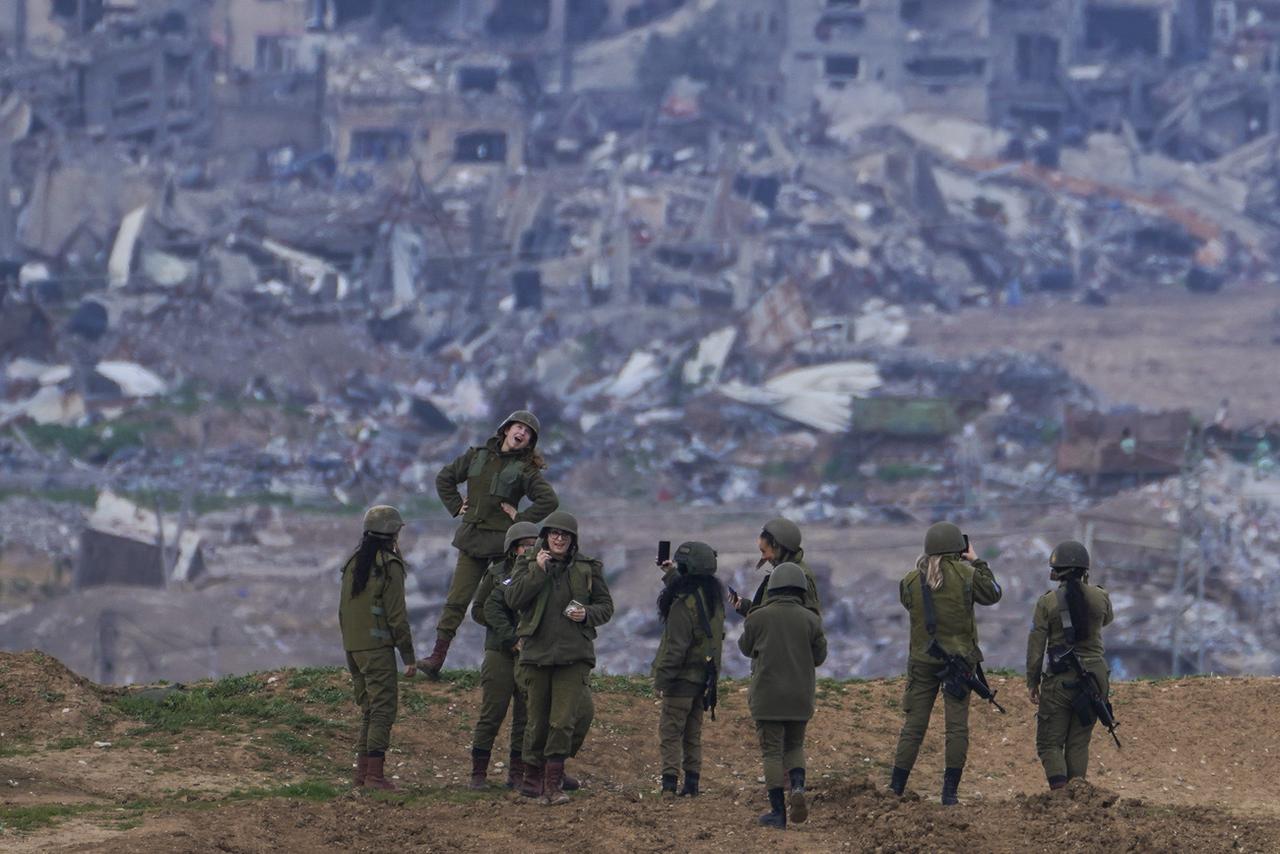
x=958, y=678
x=711, y=678
x=1096, y=706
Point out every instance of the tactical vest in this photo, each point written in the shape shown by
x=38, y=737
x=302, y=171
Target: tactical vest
x=364, y=617
x=579, y=587
x=502, y=485
x=957, y=630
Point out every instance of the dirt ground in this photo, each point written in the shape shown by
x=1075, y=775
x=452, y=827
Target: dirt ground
x=1154, y=348
x=267, y=773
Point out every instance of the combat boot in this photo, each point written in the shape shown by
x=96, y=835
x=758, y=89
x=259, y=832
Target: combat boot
x=951, y=786
x=799, y=807
x=479, y=769
x=515, y=771
x=898, y=784
x=690, y=788
x=552, y=785
x=362, y=769
x=431, y=665
x=570, y=784
x=531, y=785
x=777, y=814
x=1058, y=787
x=668, y=787
x=373, y=777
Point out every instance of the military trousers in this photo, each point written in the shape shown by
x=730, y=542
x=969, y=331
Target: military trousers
x=467, y=574
x=1062, y=741
x=782, y=745
x=680, y=735
x=923, y=683
x=586, y=714
x=554, y=696
x=374, y=681
x=498, y=692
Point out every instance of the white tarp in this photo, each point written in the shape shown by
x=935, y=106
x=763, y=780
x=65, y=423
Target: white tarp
x=641, y=369
x=820, y=396
x=706, y=364
x=165, y=269
x=408, y=252
x=133, y=379
x=121, y=261
x=49, y=405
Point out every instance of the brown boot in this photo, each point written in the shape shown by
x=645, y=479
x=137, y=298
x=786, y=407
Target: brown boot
x=569, y=784
x=479, y=769
x=373, y=777
x=552, y=785
x=515, y=771
x=362, y=769
x=531, y=785
x=430, y=666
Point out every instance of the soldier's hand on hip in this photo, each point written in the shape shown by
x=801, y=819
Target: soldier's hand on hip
x=466, y=505
x=508, y=509
x=410, y=671
x=543, y=557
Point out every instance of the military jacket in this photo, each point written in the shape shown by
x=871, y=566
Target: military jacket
x=377, y=617
x=964, y=584
x=540, y=597
x=811, y=600
x=785, y=642
x=1047, y=631
x=680, y=667
x=492, y=477
x=490, y=608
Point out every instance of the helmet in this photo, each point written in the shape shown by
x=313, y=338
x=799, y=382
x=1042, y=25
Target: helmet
x=788, y=575
x=525, y=417
x=517, y=532
x=698, y=558
x=559, y=520
x=383, y=519
x=1069, y=555
x=784, y=532
x=943, y=538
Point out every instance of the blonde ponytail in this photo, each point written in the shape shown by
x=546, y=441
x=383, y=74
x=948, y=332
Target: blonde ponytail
x=933, y=572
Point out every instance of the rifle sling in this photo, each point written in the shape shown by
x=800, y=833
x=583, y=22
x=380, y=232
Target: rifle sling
x=930, y=616
x=1064, y=613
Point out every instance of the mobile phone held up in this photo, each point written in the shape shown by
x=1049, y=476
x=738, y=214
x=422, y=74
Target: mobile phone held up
x=966, y=543
x=664, y=552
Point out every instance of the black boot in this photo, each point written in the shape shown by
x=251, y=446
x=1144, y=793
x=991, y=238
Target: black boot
x=479, y=769
x=690, y=788
x=668, y=787
x=951, y=785
x=898, y=784
x=777, y=814
x=799, y=808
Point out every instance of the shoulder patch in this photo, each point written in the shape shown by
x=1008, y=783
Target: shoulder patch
x=506, y=582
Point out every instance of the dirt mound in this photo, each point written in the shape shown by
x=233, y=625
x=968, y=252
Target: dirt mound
x=44, y=700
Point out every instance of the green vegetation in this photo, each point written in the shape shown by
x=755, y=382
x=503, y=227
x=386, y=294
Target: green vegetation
x=68, y=743
x=28, y=818
x=223, y=705
x=608, y=683
x=894, y=472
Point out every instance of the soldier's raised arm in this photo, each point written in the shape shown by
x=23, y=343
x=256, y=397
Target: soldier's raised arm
x=527, y=580
x=986, y=590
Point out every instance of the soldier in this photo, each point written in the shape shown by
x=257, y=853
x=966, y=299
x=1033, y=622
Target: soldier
x=779, y=543
x=785, y=642
x=375, y=623
x=561, y=597
x=1070, y=617
x=691, y=607
x=939, y=594
x=507, y=468
x=498, y=672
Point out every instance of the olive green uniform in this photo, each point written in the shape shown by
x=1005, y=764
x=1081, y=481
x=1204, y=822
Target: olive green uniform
x=811, y=599
x=785, y=642
x=679, y=674
x=964, y=584
x=492, y=477
x=498, y=671
x=1062, y=742
x=556, y=653
x=374, y=625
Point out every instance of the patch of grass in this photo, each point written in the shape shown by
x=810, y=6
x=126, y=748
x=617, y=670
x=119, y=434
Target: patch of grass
x=52, y=696
x=221, y=705
x=23, y=819
x=13, y=747
x=608, y=683
x=68, y=743
x=417, y=702
x=296, y=744
x=309, y=677
x=1008, y=672
x=307, y=790
x=827, y=687
x=85, y=497
x=461, y=680
x=894, y=472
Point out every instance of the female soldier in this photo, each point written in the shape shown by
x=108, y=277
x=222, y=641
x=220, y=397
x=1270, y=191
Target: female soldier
x=779, y=543
x=1069, y=618
x=374, y=623
x=507, y=468
x=561, y=596
x=498, y=672
x=940, y=594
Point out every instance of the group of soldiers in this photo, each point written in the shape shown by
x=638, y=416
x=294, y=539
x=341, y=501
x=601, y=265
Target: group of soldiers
x=541, y=601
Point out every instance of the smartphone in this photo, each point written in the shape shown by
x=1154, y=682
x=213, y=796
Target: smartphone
x=733, y=594
x=573, y=605
x=966, y=543
x=664, y=551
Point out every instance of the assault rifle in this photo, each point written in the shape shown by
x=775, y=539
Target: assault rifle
x=1094, y=706
x=958, y=678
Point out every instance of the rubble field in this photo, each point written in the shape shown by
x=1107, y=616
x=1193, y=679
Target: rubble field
x=259, y=763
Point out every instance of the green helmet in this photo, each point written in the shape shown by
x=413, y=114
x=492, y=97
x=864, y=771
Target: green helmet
x=561, y=521
x=517, y=532
x=943, y=538
x=788, y=575
x=525, y=417
x=1069, y=555
x=383, y=519
x=784, y=532
x=697, y=558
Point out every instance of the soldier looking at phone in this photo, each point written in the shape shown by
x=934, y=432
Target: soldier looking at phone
x=779, y=543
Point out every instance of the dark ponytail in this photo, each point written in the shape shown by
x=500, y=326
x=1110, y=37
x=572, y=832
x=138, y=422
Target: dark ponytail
x=1077, y=605
x=370, y=545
